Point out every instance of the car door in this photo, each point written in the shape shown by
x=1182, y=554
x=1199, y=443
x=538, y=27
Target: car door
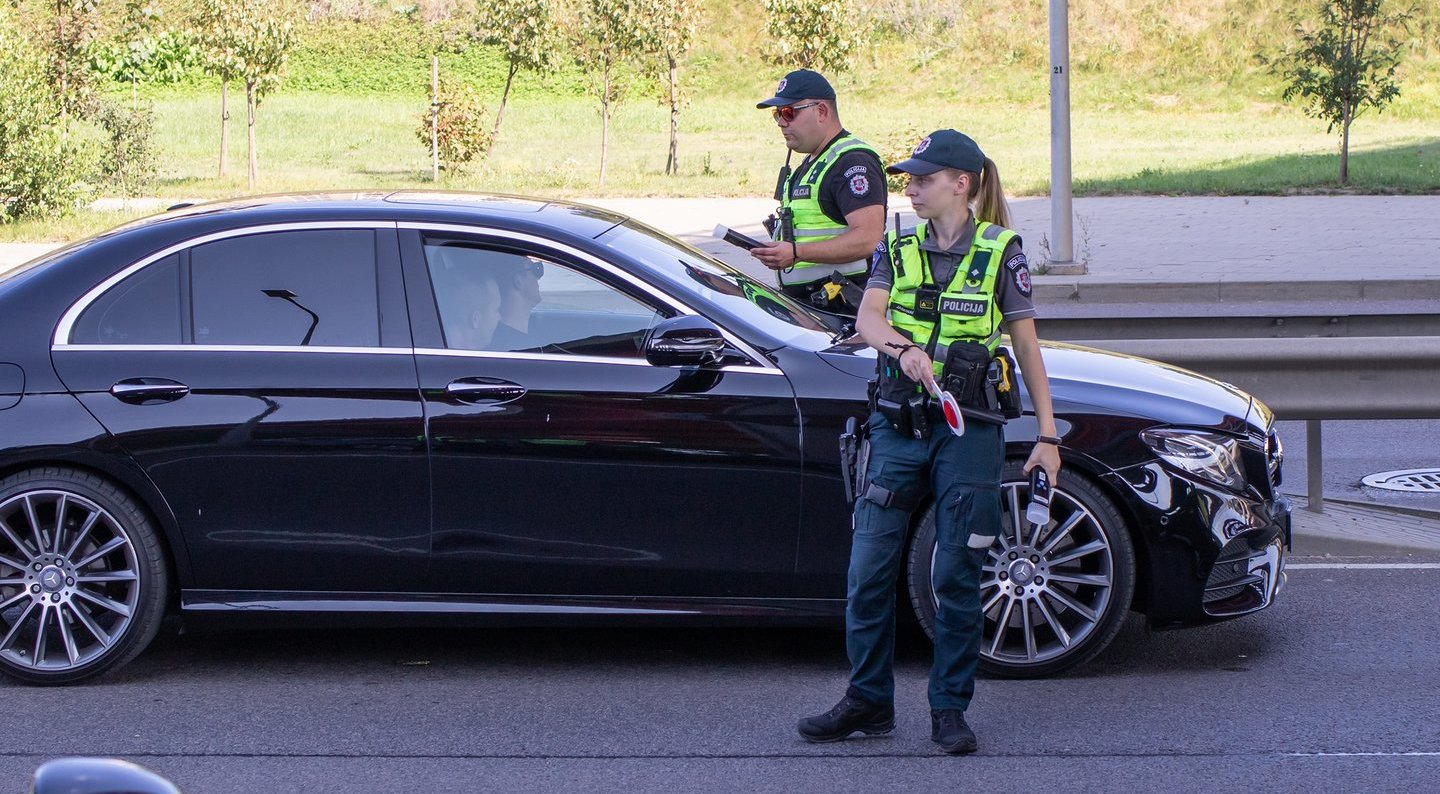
x=263, y=379
x=565, y=464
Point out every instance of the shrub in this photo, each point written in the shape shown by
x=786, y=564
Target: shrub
x=129, y=158
x=462, y=134
x=42, y=171
x=815, y=34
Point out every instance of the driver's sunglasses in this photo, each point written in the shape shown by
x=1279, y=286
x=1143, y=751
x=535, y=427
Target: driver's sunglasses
x=538, y=268
x=787, y=113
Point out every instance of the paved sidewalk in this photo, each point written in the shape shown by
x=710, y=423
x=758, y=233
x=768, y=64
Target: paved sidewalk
x=1344, y=525
x=1152, y=248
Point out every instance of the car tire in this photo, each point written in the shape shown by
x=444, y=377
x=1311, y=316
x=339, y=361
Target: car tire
x=1052, y=624
x=83, y=601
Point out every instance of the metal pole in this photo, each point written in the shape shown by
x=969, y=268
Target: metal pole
x=1315, y=493
x=1062, y=233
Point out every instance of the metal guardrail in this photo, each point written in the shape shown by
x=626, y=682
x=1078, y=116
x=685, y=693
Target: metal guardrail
x=1369, y=377
x=1103, y=323
x=1310, y=378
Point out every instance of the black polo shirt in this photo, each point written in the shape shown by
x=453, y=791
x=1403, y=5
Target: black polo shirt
x=855, y=180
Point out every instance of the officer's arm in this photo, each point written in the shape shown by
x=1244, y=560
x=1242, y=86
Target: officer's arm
x=864, y=228
x=878, y=333
x=1032, y=367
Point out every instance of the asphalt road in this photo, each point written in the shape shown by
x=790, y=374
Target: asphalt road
x=1333, y=689
x=1354, y=449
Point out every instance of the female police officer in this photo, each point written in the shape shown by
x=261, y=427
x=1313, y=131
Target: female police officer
x=933, y=307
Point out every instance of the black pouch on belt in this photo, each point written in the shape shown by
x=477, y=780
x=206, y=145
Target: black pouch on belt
x=966, y=365
x=1007, y=389
x=896, y=414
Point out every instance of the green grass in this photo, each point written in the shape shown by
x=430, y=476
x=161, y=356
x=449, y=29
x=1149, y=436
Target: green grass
x=1167, y=98
x=551, y=147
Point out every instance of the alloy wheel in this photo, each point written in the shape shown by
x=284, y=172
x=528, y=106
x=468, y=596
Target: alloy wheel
x=69, y=581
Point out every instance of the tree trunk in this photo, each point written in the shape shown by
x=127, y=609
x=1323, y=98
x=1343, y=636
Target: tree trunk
x=672, y=163
x=435, y=118
x=250, y=132
x=604, y=120
x=225, y=127
x=1345, y=147
x=500, y=114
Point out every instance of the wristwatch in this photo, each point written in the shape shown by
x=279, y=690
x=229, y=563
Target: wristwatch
x=1048, y=440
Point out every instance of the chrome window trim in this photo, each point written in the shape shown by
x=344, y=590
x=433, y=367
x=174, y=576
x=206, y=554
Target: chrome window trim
x=68, y=319
x=527, y=356
x=386, y=351
x=759, y=361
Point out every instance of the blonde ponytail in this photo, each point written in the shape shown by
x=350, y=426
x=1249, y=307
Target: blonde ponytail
x=989, y=197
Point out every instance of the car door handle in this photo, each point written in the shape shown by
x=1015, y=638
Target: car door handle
x=484, y=390
x=148, y=391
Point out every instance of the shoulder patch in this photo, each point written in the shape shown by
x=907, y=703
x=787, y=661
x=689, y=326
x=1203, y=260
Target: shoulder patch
x=855, y=169
x=1019, y=269
x=859, y=185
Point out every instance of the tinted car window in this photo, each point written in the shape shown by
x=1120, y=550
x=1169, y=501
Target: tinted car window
x=144, y=309
x=718, y=284
x=261, y=289
x=506, y=301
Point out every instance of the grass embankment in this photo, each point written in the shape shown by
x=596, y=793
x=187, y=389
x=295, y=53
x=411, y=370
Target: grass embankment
x=1167, y=98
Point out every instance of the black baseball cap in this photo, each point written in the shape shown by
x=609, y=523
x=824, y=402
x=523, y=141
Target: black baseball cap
x=799, y=84
x=939, y=150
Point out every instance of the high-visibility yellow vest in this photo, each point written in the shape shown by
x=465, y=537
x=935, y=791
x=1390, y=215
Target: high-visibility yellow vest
x=967, y=308
x=811, y=223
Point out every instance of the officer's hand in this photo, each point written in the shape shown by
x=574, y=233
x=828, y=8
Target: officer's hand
x=776, y=255
x=1047, y=456
x=916, y=365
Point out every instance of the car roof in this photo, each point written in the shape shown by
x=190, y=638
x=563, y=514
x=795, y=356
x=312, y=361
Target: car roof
x=566, y=217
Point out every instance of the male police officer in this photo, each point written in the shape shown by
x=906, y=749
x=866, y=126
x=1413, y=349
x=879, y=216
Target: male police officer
x=832, y=208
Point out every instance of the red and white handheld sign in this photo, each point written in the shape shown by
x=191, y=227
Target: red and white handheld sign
x=953, y=418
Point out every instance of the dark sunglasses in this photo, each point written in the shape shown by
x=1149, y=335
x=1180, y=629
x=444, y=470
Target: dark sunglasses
x=787, y=112
x=538, y=268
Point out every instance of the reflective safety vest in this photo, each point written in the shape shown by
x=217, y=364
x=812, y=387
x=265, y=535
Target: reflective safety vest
x=967, y=309
x=811, y=223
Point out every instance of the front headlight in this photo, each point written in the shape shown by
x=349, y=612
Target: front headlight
x=1209, y=456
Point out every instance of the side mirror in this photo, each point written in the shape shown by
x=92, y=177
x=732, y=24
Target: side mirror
x=98, y=776
x=687, y=340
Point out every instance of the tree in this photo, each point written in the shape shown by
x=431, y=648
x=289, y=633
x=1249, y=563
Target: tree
x=216, y=25
x=263, y=40
x=665, y=31
x=1345, y=65
x=814, y=34
x=525, y=33
x=74, y=29
x=604, y=41
x=42, y=171
x=458, y=121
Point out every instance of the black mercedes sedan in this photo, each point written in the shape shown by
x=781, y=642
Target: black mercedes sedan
x=422, y=407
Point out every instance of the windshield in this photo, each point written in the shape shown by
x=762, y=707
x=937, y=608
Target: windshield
x=760, y=305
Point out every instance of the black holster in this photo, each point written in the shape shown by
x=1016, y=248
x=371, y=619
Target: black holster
x=854, y=458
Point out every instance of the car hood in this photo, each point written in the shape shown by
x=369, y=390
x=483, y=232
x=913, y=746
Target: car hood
x=1085, y=379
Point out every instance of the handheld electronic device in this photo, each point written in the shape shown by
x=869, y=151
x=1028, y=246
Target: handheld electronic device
x=735, y=238
x=1039, y=510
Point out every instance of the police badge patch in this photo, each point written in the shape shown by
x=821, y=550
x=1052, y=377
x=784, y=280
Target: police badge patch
x=859, y=185
x=780, y=87
x=1019, y=269
x=922, y=145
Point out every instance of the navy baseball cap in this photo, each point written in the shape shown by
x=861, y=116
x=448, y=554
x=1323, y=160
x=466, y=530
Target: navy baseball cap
x=799, y=84
x=939, y=150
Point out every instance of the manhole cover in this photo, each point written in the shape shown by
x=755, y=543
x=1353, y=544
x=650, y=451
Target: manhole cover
x=1411, y=480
